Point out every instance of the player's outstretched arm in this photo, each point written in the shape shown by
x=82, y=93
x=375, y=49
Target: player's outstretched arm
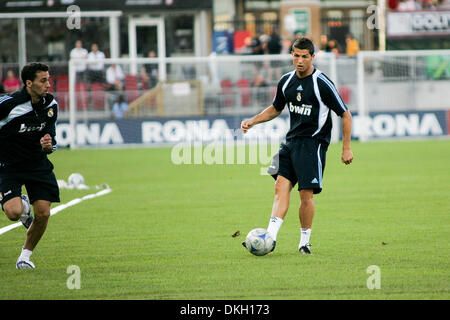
x=347, y=154
x=266, y=115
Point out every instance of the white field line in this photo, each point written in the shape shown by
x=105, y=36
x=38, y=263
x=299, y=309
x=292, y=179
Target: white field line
x=59, y=208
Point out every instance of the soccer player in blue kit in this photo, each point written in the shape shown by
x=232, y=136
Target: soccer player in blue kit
x=27, y=136
x=309, y=95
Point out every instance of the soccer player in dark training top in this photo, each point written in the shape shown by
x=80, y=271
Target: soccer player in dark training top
x=310, y=96
x=27, y=136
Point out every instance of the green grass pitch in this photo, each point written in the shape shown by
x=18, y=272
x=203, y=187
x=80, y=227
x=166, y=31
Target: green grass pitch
x=165, y=230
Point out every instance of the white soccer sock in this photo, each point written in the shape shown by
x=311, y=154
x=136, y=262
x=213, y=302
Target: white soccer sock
x=25, y=254
x=305, y=233
x=274, y=226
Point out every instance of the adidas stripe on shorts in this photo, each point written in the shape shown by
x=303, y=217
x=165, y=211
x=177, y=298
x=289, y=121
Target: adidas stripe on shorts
x=302, y=161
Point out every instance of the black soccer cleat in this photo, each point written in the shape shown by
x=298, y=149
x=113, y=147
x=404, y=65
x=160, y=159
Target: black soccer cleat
x=243, y=243
x=305, y=249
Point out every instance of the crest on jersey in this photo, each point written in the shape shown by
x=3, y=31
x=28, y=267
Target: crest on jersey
x=299, y=96
x=50, y=113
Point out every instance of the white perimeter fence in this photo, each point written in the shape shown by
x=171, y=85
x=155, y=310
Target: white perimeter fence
x=391, y=94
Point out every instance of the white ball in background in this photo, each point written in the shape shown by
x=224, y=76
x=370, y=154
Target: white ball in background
x=76, y=179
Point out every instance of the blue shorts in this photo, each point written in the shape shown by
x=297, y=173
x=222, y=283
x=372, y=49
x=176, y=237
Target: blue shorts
x=302, y=161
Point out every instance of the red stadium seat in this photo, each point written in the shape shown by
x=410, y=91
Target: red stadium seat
x=345, y=92
x=61, y=78
x=81, y=94
x=52, y=84
x=227, y=93
x=98, y=96
x=244, y=89
x=62, y=94
x=132, y=87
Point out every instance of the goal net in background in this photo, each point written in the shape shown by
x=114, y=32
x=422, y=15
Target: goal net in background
x=131, y=91
x=402, y=94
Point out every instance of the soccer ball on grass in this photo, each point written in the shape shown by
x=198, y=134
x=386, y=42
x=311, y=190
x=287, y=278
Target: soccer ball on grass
x=259, y=242
x=76, y=179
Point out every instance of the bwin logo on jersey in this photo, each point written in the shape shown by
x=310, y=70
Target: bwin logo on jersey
x=304, y=109
x=24, y=128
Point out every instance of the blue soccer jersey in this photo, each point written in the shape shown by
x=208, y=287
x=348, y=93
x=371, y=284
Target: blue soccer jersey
x=309, y=101
x=22, y=124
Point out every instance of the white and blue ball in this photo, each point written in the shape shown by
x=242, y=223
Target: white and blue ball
x=76, y=179
x=259, y=242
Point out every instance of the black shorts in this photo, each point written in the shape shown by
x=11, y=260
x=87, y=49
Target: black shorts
x=40, y=183
x=302, y=161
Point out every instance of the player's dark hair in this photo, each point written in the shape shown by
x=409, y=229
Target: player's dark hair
x=30, y=70
x=303, y=44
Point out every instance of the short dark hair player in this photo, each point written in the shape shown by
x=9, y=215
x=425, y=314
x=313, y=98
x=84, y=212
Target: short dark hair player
x=309, y=95
x=27, y=136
